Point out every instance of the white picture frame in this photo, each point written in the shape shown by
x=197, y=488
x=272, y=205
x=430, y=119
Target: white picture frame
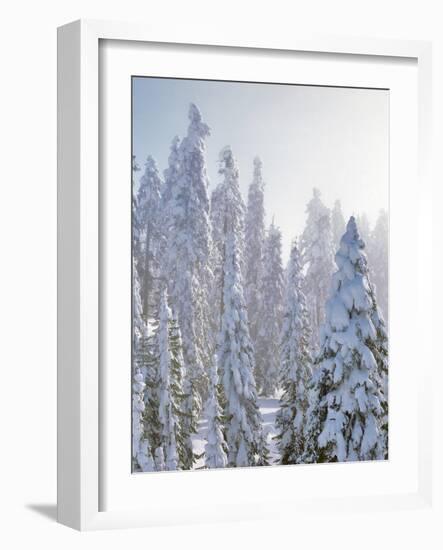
x=80, y=414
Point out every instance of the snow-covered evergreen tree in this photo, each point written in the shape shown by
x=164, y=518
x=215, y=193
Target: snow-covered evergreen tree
x=145, y=362
x=338, y=223
x=148, y=216
x=143, y=410
x=295, y=366
x=151, y=416
x=167, y=405
x=141, y=449
x=244, y=436
x=255, y=235
x=170, y=389
x=136, y=247
x=170, y=176
x=270, y=315
x=378, y=258
x=186, y=261
x=227, y=210
x=215, y=447
x=227, y=205
x=317, y=254
x=348, y=421
x=380, y=350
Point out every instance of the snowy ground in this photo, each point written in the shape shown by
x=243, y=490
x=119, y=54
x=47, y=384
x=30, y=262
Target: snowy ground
x=268, y=409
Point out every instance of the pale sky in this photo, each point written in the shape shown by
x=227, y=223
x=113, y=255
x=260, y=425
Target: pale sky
x=335, y=139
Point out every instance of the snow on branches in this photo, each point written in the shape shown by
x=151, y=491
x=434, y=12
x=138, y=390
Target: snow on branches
x=148, y=221
x=186, y=268
x=217, y=320
x=295, y=366
x=215, y=447
x=227, y=213
x=246, y=445
x=349, y=416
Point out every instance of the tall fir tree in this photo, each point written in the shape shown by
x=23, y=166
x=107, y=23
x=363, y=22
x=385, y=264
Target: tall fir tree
x=144, y=408
x=151, y=416
x=270, y=314
x=176, y=444
x=349, y=419
x=141, y=448
x=295, y=366
x=186, y=261
x=215, y=447
x=227, y=210
x=170, y=175
x=148, y=219
x=338, y=223
x=380, y=350
x=244, y=435
x=317, y=255
x=378, y=258
x=135, y=224
x=255, y=235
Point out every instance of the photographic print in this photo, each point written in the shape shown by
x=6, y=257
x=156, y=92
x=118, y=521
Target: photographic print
x=259, y=274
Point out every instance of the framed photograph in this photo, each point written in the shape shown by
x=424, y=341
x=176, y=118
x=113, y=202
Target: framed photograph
x=241, y=276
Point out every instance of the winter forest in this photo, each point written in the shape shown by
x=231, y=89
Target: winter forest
x=242, y=357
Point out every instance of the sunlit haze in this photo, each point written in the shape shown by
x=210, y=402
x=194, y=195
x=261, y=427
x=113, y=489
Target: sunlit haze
x=335, y=139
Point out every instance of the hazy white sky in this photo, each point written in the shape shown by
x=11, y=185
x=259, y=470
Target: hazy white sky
x=335, y=139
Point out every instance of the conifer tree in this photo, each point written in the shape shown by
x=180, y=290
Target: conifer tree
x=141, y=448
x=188, y=426
x=338, y=223
x=215, y=447
x=148, y=219
x=380, y=350
x=244, y=436
x=186, y=261
x=171, y=174
x=143, y=409
x=167, y=405
x=348, y=421
x=255, y=235
x=227, y=210
x=270, y=315
x=146, y=362
x=170, y=389
x=317, y=254
x=151, y=416
x=136, y=247
x=295, y=366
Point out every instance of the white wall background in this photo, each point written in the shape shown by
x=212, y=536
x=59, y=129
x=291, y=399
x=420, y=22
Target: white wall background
x=28, y=266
